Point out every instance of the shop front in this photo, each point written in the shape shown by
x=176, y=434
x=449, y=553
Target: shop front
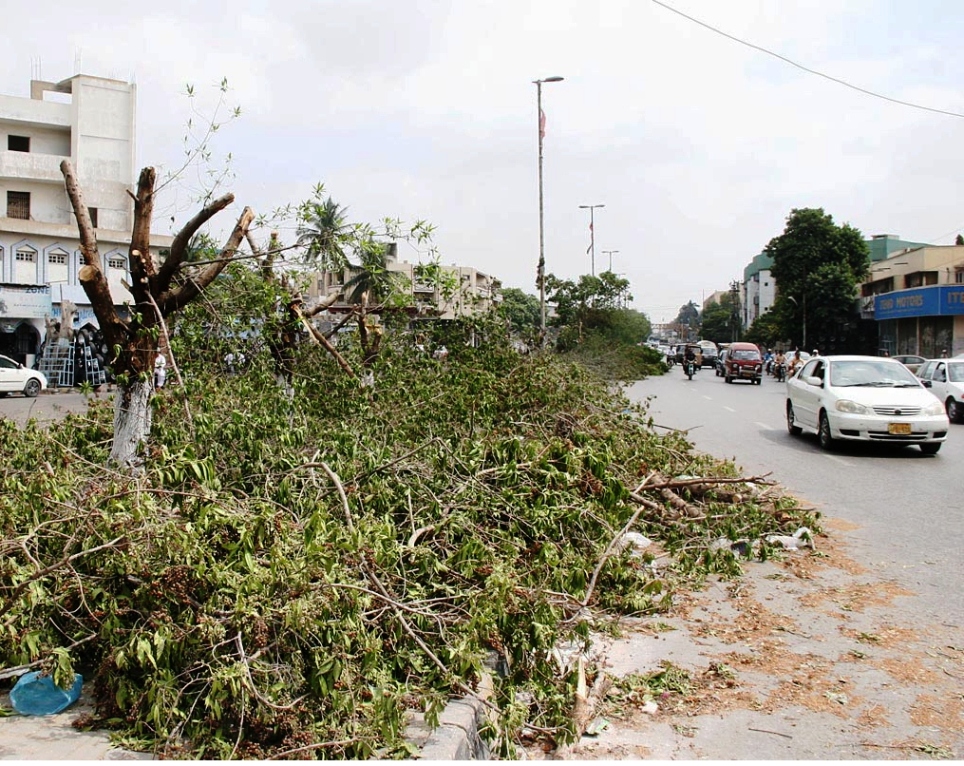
x=928, y=321
x=22, y=312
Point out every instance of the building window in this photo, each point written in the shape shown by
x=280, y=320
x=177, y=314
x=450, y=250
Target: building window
x=116, y=262
x=93, y=216
x=25, y=266
x=18, y=205
x=57, y=267
x=959, y=276
x=18, y=143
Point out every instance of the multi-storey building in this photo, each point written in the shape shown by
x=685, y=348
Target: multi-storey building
x=917, y=298
x=91, y=122
x=758, y=290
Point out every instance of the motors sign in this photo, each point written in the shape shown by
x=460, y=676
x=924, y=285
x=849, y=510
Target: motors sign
x=24, y=301
x=938, y=300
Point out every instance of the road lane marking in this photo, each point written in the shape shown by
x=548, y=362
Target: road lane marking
x=708, y=398
x=728, y=409
x=839, y=460
x=764, y=426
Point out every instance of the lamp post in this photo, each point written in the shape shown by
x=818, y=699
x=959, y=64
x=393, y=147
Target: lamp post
x=541, y=274
x=804, y=340
x=610, y=254
x=592, y=233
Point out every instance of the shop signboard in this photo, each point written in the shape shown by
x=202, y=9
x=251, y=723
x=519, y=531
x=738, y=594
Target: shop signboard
x=24, y=301
x=937, y=300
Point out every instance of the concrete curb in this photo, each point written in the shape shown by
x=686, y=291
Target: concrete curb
x=457, y=736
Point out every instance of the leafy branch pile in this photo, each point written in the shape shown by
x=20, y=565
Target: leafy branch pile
x=287, y=577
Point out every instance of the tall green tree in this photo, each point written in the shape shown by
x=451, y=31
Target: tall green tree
x=687, y=321
x=595, y=304
x=817, y=266
x=717, y=324
x=521, y=310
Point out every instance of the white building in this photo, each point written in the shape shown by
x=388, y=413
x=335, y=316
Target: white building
x=759, y=289
x=91, y=121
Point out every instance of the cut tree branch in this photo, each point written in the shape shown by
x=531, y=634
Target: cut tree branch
x=193, y=286
x=175, y=258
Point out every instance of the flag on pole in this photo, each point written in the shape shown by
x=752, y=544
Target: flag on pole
x=590, y=238
x=542, y=124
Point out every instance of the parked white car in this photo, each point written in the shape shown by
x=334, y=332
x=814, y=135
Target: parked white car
x=15, y=378
x=945, y=379
x=864, y=398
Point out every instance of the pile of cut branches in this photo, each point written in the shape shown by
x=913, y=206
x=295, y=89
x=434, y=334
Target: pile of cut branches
x=289, y=577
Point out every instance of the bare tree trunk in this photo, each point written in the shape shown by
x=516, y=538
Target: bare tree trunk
x=132, y=421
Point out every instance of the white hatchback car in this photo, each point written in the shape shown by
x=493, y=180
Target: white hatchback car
x=864, y=398
x=15, y=378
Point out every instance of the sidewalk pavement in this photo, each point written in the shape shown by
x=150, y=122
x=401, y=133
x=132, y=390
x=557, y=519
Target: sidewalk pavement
x=53, y=738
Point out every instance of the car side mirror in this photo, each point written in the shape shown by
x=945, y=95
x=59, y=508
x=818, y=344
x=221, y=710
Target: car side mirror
x=927, y=384
x=813, y=380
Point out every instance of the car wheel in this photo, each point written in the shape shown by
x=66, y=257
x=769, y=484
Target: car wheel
x=728, y=379
x=32, y=388
x=792, y=426
x=930, y=448
x=826, y=437
x=954, y=411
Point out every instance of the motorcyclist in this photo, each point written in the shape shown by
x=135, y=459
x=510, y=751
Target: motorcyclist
x=768, y=362
x=795, y=363
x=689, y=357
x=779, y=365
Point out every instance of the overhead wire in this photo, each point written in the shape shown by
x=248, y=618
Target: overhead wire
x=807, y=69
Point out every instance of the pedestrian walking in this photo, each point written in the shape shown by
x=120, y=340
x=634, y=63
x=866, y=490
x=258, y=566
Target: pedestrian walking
x=160, y=371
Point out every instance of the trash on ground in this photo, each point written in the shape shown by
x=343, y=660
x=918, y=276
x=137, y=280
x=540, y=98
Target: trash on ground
x=37, y=694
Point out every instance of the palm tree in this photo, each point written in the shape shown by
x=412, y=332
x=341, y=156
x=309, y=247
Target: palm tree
x=323, y=231
x=371, y=282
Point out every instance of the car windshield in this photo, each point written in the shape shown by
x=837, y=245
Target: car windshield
x=741, y=354
x=955, y=372
x=871, y=373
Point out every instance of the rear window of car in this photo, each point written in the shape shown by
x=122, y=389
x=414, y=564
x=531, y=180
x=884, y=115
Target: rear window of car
x=746, y=355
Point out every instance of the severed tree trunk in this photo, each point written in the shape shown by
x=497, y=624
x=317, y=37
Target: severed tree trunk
x=158, y=289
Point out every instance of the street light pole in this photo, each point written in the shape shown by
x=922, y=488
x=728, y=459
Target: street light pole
x=804, y=339
x=592, y=233
x=610, y=254
x=541, y=274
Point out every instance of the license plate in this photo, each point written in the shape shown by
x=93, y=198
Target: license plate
x=900, y=429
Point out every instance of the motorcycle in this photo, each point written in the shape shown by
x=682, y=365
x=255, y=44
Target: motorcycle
x=780, y=372
x=689, y=367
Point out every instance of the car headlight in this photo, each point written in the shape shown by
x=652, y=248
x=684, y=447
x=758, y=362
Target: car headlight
x=852, y=408
x=933, y=409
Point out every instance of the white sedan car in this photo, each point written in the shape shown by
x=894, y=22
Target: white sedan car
x=15, y=378
x=864, y=398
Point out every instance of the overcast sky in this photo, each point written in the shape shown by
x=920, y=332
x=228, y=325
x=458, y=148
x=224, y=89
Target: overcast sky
x=698, y=146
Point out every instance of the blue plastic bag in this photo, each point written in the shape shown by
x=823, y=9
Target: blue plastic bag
x=37, y=694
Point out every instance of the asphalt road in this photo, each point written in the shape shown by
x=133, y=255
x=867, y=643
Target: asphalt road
x=906, y=506
x=44, y=408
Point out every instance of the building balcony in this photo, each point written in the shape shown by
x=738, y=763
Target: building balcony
x=27, y=166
